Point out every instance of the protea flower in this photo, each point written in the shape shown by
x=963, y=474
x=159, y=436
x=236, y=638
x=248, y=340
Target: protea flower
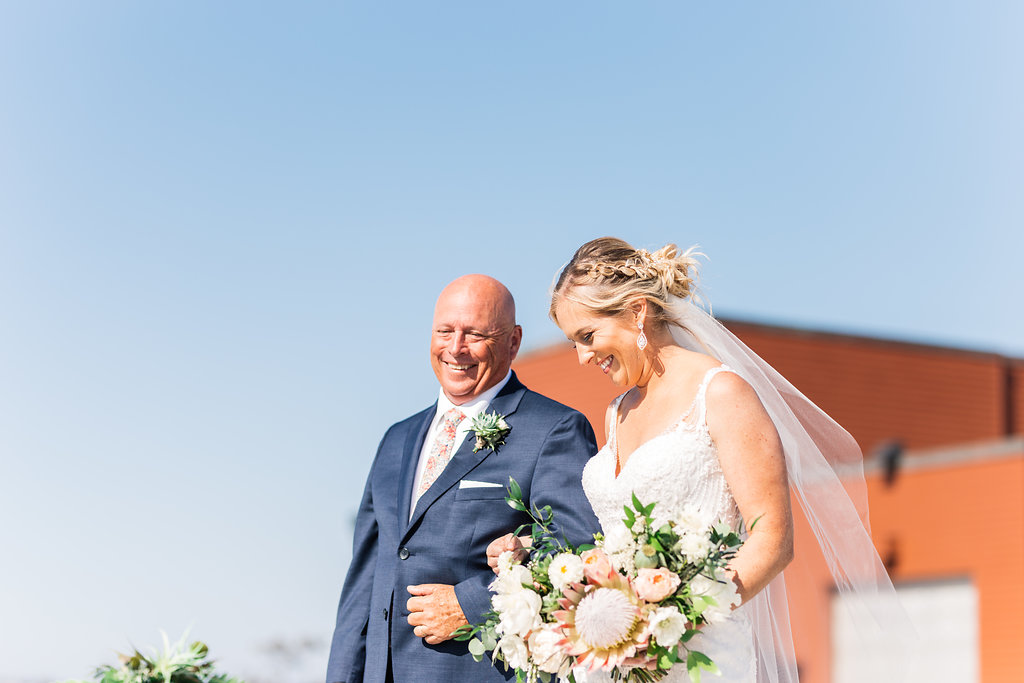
x=602, y=623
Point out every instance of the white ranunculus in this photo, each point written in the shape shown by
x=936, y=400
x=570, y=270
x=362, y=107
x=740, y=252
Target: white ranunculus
x=724, y=593
x=513, y=649
x=518, y=612
x=667, y=625
x=545, y=651
x=565, y=569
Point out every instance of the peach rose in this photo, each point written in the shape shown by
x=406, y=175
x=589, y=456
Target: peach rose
x=596, y=565
x=654, y=585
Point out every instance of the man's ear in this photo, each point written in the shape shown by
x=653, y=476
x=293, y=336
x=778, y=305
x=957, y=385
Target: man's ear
x=515, y=341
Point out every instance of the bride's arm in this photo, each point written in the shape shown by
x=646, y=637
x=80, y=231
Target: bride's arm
x=750, y=453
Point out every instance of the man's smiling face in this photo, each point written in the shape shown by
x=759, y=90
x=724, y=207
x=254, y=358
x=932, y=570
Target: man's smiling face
x=475, y=337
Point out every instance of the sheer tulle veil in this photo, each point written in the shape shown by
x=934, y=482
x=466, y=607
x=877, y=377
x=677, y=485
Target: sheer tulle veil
x=826, y=478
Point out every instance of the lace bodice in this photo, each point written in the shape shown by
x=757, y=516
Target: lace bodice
x=679, y=470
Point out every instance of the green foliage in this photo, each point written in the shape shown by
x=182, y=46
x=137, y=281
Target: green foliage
x=177, y=663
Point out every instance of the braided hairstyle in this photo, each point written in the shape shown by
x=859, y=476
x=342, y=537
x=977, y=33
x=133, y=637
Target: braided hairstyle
x=607, y=274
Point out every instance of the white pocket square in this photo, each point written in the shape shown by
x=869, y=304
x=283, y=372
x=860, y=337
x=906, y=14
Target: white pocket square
x=470, y=484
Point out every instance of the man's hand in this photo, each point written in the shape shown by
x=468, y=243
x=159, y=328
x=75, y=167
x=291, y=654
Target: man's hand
x=507, y=542
x=434, y=612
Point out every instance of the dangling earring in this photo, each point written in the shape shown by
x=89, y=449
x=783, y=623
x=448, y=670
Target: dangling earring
x=641, y=341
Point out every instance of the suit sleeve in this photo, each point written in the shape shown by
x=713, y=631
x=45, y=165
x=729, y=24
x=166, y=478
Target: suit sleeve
x=557, y=481
x=348, y=646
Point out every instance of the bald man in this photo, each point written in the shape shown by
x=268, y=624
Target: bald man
x=432, y=503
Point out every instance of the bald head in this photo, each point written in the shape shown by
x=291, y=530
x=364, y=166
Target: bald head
x=475, y=337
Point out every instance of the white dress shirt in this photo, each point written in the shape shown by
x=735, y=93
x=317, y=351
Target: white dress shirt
x=470, y=410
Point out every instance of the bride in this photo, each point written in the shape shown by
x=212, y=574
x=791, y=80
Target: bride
x=707, y=428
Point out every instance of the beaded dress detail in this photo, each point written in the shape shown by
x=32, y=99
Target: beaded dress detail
x=679, y=470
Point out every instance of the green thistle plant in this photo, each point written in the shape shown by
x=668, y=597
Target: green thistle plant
x=178, y=663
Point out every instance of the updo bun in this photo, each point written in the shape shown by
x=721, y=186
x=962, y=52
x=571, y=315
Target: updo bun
x=607, y=274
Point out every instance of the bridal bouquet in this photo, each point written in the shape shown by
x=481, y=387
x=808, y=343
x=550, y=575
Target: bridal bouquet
x=627, y=605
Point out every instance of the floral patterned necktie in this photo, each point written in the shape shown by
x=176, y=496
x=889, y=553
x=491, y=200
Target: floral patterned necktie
x=440, y=451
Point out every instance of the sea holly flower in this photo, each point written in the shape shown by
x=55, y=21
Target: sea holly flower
x=490, y=429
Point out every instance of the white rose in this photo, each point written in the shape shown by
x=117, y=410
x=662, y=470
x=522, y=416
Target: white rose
x=518, y=612
x=667, y=625
x=513, y=649
x=619, y=540
x=565, y=569
x=545, y=651
x=511, y=580
x=695, y=546
x=689, y=521
x=724, y=593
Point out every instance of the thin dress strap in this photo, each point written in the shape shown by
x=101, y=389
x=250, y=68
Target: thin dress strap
x=700, y=401
x=614, y=423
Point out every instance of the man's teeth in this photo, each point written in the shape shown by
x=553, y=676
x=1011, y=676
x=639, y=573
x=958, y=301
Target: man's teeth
x=453, y=366
x=606, y=363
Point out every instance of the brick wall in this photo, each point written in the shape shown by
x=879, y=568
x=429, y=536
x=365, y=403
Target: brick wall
x=878, y=390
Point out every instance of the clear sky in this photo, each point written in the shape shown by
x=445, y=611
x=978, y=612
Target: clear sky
x=223, y=226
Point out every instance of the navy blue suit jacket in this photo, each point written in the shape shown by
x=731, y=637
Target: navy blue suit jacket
x=446, y=539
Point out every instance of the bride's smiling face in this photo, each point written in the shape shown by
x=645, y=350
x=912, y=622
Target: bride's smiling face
x=608, y=343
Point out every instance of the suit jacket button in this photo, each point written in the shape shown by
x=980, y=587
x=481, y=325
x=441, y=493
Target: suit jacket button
x=403, y=553
x=385, y=612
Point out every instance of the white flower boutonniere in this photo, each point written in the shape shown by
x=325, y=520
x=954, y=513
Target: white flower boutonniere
x=491, y=430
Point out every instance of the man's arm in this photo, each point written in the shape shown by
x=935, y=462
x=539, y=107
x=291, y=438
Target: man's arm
x=348, y=647
x=558, y=479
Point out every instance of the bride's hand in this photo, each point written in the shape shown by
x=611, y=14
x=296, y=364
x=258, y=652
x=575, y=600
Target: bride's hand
x=500, y=545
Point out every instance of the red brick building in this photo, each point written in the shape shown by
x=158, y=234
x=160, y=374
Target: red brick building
x=948, y=520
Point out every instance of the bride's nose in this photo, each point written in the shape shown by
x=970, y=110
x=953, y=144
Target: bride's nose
x=584, y=355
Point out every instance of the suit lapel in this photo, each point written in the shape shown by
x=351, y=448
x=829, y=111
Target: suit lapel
x=410, y=459
x=464, y=460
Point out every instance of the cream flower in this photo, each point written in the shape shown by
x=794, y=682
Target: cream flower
x=565, y=569
x=667, y=625
x=513, y=649
x=519, y=612
x=695, y=546
x=506, y=561
x=722, y=591
x=654, y=585
x=511, y=580
x=619, y=540
x=545, y=650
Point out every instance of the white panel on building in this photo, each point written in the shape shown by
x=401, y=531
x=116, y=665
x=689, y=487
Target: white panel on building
x=945, y=615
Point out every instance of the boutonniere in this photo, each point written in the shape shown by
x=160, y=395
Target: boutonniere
x=491, y=430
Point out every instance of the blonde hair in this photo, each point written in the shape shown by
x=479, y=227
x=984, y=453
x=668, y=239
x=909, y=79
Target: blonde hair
x=607, y=275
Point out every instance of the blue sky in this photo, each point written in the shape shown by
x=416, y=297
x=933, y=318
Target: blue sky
x=223, y=225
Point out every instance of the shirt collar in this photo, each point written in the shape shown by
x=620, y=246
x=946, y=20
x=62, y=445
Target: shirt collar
x=477, y=405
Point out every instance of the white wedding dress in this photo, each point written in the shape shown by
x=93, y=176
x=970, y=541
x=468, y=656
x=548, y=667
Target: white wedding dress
x=679, y=470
